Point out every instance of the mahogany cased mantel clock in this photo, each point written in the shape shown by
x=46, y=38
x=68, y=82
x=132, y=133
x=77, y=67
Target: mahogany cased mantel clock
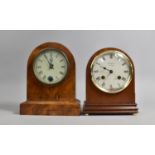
x=110, y=83
x=51, y=82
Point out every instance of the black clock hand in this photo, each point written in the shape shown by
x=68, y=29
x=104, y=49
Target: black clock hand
x=47, y=59
x=50, y=65
x=110, y=71
x=51, y=59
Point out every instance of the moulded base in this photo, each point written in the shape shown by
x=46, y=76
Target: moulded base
x=65, y=108
x=90, y=108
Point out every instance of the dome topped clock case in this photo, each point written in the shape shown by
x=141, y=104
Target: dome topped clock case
x=51, y=82
x=110, y=83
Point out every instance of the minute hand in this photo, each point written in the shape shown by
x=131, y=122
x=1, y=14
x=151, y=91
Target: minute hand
x=47, y=60
x=50, y=64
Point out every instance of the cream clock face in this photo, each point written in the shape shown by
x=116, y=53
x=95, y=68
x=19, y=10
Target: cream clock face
x=50, y=66
x=111, y=71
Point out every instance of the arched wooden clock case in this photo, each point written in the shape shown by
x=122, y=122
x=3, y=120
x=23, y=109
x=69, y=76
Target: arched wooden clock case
x=99, y=102
x=57, y=99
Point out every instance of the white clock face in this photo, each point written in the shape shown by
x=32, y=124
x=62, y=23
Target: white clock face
x=111, y=71
x=50, y=66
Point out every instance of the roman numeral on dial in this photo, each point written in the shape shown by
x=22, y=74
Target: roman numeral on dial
x=62, y=73
x=126, y=71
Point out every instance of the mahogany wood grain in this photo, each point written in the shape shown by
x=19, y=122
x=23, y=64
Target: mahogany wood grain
x=98, y=102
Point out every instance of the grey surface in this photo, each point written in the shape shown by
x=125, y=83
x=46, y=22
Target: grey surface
x=16, y=46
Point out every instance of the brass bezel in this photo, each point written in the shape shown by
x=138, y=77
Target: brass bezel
x=44, y=50
x=125, y=57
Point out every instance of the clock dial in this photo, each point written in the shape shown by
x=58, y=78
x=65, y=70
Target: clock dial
x=111, y=71
x=50, y=66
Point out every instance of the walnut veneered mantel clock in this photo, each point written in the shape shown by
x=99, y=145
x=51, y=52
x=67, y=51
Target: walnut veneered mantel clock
x=110, y=83
x=51, y=82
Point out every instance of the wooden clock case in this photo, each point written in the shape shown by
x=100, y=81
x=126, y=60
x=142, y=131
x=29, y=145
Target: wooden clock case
x=98, y=102
x=58, y=99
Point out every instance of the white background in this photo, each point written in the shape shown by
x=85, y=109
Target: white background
x=69, y=14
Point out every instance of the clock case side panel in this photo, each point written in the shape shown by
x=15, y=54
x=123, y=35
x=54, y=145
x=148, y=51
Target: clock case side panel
x=104, y=103
x=65, y=90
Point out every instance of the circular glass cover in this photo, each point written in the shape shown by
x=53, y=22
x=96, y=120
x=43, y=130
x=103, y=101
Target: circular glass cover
x=111, y=71
x=50, y=66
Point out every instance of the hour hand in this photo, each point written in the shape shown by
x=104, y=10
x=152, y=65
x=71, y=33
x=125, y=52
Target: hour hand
x=110, y=71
